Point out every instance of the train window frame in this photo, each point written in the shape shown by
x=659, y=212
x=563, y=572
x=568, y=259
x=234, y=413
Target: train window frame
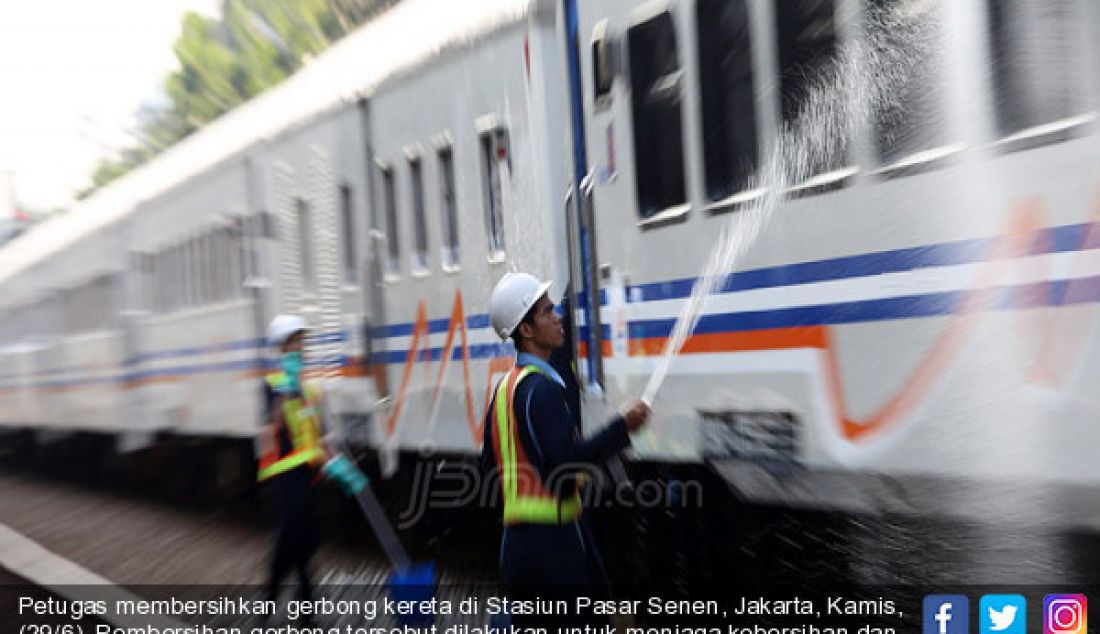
x=450, y=252
x=347, y=227
x=225, y=268
x=603, y=65
x=1046, y=128
x=307, y=262
x=420, y=259
x=179, y=298
x=188, y=270
x=223, y=273
x=792, y=60
x=493, y=149
x=232, y=262
x=388, y=192
x=175, y=260
x=197, y=269
x=179, y=276
x=164, y=281
x=662, y=208
x=909, y=159
x=238, y=256
x=210, y=267
x=713, y=103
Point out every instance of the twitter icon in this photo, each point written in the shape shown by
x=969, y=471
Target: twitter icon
x=1002, y=614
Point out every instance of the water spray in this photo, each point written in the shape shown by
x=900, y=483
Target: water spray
x=866, y=77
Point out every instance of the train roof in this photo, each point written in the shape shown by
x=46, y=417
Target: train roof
x=411, y=33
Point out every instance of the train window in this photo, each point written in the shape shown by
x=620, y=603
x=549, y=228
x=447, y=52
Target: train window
x=912, y=121
x=209, y=268
x=219, y=268
x=192, y=277
x=255, y=227
x=420, y=221
x=450, y=207
x=181, y=275
x=305, y=245
x=389, y=193
x=347, y=226
x=730, y=145
x=153, y=286
x=1037, y=53
x=494, y=150
x=162, y=281
x=196, y=269
x=187, y=271
x=175, y=299
x=231, y=250
x=222, y=268
x=806, y=34
x=603, y=69
x=655, y=78
x=175, y=279
x=237, y=257
x=104, y=307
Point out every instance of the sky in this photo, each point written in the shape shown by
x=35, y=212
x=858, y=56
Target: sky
x=73, y=73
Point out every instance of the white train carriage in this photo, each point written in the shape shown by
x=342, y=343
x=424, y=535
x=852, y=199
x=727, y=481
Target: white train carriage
x=313, y=188
x=194, y=354
x=462, y=194
x=923, y=304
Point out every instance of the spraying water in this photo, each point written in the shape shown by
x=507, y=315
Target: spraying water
x=868, y=77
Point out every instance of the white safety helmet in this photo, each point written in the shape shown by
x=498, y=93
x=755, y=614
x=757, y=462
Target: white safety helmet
x=283, y=327
x=512, y=297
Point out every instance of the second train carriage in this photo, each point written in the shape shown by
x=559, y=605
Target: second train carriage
x=914, y=310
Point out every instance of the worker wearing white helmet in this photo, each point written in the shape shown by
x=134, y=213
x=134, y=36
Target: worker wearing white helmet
x=291, y=452
x=533, y=438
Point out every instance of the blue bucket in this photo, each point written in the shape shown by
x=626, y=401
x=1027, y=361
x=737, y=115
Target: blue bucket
x=415, y=583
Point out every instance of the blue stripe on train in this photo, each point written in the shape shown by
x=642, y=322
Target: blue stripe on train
x=478, y=351
x=434, y=326
x=1079, y=291
x=1052, y=240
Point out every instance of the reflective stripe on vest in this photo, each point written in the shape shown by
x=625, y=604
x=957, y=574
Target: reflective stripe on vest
x=301, y=421
x=526, y=500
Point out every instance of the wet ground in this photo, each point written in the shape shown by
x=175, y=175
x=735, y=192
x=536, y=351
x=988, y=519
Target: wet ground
x=133, y=540
x=136, y=540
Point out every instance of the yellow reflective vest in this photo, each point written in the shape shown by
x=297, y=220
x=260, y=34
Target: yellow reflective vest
x=303, y=427
x=526, y=499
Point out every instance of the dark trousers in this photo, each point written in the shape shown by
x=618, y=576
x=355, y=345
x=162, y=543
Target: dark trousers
x=552, y=562
x=291, y=499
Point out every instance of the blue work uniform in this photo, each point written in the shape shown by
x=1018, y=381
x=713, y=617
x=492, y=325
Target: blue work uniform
x=539, y=554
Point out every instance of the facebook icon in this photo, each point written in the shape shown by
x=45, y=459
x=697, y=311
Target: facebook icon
x=946, y=614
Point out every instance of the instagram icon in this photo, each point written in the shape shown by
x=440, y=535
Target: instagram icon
x=1065, y=614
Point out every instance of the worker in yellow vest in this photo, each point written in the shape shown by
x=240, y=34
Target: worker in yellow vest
x=291, y=453
x=532, y=436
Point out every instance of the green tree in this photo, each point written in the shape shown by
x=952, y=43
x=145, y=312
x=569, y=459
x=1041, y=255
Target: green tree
x=226, y=61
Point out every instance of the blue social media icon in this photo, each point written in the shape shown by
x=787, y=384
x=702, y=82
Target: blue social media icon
x=1002, y=614
x=946, y=614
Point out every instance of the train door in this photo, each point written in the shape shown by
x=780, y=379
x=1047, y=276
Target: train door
x=372, y=284
x=634, y=198
x=584, y=305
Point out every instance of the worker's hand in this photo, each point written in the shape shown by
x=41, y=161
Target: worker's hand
x=635, y=415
